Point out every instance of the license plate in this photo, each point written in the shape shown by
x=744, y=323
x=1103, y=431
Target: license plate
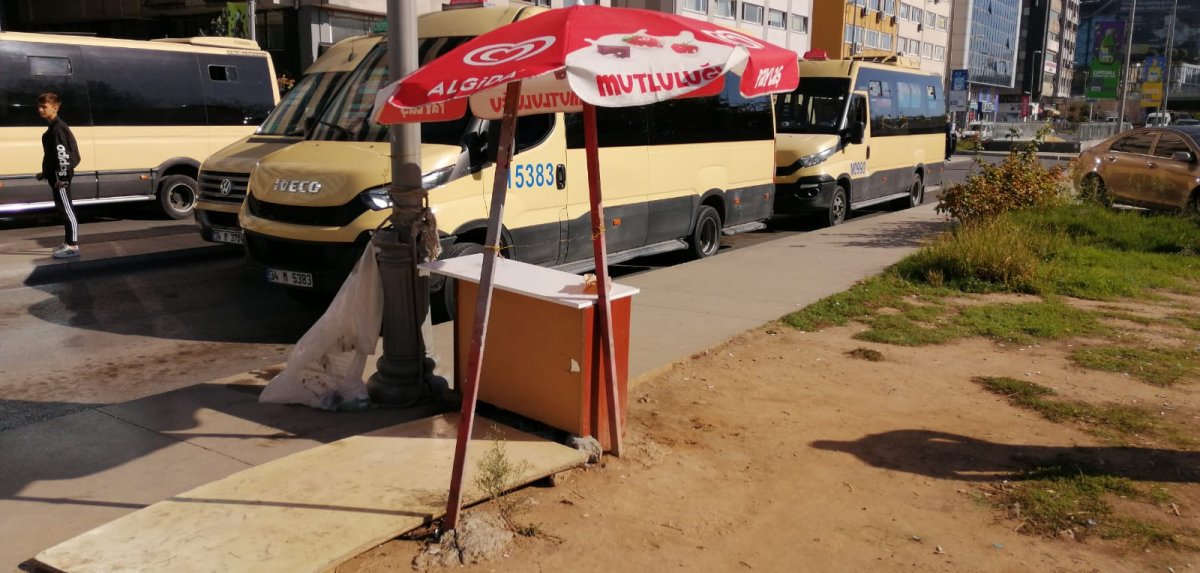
x=230, y=237
x=290, y=278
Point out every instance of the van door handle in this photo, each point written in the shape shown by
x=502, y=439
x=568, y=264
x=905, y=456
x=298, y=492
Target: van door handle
x=1111, y=158
x=868, y=152
x=560, y=177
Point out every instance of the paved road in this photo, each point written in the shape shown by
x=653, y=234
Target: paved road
x=116, y=336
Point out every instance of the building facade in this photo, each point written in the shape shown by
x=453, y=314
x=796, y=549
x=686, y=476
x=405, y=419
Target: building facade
x=855, y=28
x=785, y=23
x=924, y=32
x=1045, y=59
x=984, y=40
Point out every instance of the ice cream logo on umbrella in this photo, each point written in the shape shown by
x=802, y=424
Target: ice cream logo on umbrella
x=623, y=46
x=496, y=54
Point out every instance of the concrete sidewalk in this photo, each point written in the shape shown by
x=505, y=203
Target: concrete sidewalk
x=67, y=475
x=25, y=253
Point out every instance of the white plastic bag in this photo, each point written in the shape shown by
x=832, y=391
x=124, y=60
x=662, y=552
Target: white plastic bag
x=325, y=367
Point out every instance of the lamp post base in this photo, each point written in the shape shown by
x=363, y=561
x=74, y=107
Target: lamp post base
x=403, y=369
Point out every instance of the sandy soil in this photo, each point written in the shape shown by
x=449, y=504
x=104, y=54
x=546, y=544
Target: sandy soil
x=779, y=452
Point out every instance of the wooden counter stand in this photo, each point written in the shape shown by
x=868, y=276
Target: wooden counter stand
x=542, y=357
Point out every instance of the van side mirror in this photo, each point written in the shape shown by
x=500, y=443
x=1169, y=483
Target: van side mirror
x=858, y=130
x=1184, y=156
x=477, y=148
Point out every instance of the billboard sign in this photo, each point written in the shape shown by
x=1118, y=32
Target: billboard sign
x=958, y=90
x=1104, y=71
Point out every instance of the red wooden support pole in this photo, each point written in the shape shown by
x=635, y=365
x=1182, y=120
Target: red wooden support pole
x=483, y=305
x=603, y=304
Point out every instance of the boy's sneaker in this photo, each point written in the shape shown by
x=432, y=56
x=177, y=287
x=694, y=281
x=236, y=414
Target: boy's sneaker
x=65, y=251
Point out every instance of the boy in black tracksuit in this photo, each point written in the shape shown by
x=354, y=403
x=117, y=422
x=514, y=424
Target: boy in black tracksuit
x=60, y=156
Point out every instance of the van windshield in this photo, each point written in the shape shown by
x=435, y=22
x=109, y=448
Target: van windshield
x=816, y=106
x=348, y=117
x=307, y=99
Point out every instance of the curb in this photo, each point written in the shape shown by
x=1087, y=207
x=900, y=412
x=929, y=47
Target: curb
x=55, y=271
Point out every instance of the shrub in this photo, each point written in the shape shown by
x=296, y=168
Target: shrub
x=992, y=255
x=1020, y=181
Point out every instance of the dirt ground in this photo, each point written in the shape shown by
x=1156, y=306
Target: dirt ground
x=778, y=451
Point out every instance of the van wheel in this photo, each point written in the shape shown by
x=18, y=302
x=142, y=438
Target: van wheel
x=839, y=205
x=916, y=193
x=177, y=196
x=706, y=235
x=442, y=301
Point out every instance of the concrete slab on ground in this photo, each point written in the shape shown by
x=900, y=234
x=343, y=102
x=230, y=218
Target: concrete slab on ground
x=309, y=511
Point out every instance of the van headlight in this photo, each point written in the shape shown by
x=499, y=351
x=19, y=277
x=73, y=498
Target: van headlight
x=814, y=159
x=377, y=199
x=380, y=198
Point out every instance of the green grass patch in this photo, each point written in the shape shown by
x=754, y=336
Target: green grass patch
x=900, y=330
x=1121, y=230
x=1161, y=367
x=860, y=301
x=1084, y=251
x=1022, y=323
x=1130, y=317
x=1070, y=497
x=1098, y=420
x=1191, y=321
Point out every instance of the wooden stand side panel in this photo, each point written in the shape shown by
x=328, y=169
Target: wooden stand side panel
x=596, y=407
x=533, y=362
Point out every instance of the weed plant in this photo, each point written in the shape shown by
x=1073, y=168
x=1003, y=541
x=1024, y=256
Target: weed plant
x=1018, y=182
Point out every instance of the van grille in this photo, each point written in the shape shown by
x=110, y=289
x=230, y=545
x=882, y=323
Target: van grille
x=339, y=216
x=210, y=186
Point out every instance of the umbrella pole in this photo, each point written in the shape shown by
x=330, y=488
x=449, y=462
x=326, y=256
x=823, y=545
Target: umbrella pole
x=603, y=304
x=483, y=305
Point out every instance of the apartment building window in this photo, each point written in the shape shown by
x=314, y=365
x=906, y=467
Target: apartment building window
x=939, y=53
x=941, y=23
x=889, y=7
x=871, y=39
x=905, y=9
x=930, y=19
x=873, y=4
x=752, y=12
x=724, y=8
x=776, y=19
x=927, y=51
x=915, y=14
x=799, y=23
x=885, y=42
x=696, y=6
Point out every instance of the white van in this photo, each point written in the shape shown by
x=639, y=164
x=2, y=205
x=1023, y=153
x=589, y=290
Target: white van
x=1159, y=119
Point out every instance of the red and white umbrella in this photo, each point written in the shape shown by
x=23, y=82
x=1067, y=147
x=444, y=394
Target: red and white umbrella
x=571, y=60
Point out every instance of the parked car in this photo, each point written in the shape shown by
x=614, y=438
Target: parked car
x=1188, y=121
x=978, y=131
x=1152, y=167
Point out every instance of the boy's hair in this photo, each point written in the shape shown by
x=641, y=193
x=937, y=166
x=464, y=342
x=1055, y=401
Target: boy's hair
x=49, y=97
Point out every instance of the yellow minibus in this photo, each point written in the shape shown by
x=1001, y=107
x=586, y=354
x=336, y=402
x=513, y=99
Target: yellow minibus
x=676, y=175
x=145, y=113
x=857, y=133
x=223, y=176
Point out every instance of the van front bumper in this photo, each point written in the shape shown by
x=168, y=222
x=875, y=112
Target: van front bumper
x=328, y=263
x=810, y=193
